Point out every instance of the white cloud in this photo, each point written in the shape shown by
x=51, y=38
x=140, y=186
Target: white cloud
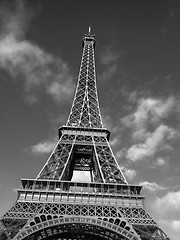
x=108, y=73
x=163, y=107
x=154, y=142
x=161, y=162
x=115, y=141
x=149, y=133
x=109, y=59
x=166, y=211
x=176, y=225
x=170, y=227
x=120, y=153
x=140, y=134
x=149, y=111
x=130, y=174
x=39, y=70
x=108, y=56
x=62, y=87
x=108, y=122
x=153, y=109
x=43, y=147
x=151, y=186
x=15, y=16
x=168, y=206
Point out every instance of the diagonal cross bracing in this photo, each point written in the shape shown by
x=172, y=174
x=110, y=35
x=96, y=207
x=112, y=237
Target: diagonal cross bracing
x=85, y=110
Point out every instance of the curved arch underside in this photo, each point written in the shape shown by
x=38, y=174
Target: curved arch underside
x=76, y=229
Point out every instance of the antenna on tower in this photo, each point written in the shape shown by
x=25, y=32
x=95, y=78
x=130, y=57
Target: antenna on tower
x=89, y=33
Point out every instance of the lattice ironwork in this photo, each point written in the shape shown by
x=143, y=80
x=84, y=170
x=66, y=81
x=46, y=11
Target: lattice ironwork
x=109, y=165
x=13, y=225
x=88, y=151
x=54, y=207
x=150, y=232
x=83, y=210
x=55, y=164
x=4, y=234
x=23, y=210
x=55, y=226
x=137, y=215
x=85, y=110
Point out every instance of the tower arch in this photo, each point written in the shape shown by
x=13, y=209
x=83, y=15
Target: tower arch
x=71, y=227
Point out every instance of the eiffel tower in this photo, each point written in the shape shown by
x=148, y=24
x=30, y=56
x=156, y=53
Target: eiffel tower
x=54, y=206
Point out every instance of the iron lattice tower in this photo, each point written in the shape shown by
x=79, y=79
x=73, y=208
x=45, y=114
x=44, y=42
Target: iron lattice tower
x=53, y=206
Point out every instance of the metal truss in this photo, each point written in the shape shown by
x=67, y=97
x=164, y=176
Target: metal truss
x=137, y=216
x=85, y=149
x=54, y=207
x=84, y=225
x=23, y=210
x=85, y=110
x=56, y=162
x=16, y=218
x=130, y=223
x=150, y=233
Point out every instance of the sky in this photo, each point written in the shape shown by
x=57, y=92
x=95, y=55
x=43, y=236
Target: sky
x=138, y=74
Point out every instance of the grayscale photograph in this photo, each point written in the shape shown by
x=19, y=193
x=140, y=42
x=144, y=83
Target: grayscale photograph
x=89, y=120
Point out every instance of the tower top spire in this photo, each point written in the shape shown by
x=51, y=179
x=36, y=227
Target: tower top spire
x=89, y=37
x=89, y=33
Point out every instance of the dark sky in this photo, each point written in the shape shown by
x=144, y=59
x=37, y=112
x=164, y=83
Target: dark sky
x=138, y=74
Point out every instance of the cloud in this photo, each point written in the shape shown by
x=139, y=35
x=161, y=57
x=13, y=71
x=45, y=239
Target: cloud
x=39, y=71
x=149, y=110
x=108, y=73
x=149, y=134
x=108, y=56
x=176, y=225
x=114, y=142
x=109, y=59
x=15, y=17
x=121, y=153
x=43, y=147
x=151, y=186
x=130, y=174
x=171, y=17
x=168, y=206
x=161, y=162
x=154, y=142
x=166, y=211
x=108, y=121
